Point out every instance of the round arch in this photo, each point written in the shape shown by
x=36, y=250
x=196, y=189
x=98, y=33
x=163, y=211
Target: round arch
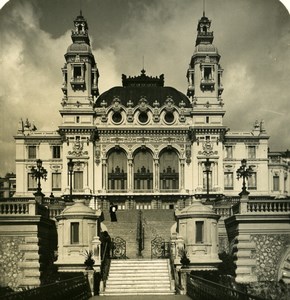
x=169, y=169
x=117, y=169
x=143, y=169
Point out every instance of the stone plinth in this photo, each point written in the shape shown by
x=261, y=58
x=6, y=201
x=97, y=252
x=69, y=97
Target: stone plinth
x=197, y=226
x=77, y=233
x=259, y=242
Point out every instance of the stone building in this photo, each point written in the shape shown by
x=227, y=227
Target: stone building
x=7, y=185
x=144, y=144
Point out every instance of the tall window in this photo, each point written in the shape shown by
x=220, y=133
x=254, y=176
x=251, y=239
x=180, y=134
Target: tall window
x=199, y=231
x=78, y=180
x=32, y=152
x=205, y=180
x=276, y=185
x=207, y=73
x=252, y=181
x=229, y=152
x=56, y=181
x=169, y=177
x=143, y=171
x=229, y=180
x=74, y=233
x=55, y=151
x=117, y=166
x=31, y=182
x=252, y=152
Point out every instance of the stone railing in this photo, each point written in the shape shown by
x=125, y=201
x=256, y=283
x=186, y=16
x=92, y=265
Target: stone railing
x=20, y=207
x=223, y=211
x=270, y=206
x=273, y=206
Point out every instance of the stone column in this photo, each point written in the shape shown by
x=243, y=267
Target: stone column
x=104, y=174
x=156, y=175
x=182, y=174
x=130, y=174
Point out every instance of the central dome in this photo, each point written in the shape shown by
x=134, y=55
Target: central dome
x=143, y=86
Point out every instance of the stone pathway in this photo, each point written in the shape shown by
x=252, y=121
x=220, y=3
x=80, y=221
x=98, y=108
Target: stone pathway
x=151, y=297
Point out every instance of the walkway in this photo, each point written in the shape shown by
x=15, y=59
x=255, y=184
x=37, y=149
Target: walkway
x=165, y=297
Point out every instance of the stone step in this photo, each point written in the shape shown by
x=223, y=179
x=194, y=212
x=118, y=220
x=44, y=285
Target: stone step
x=137, y=284
x=138, y=277
x=137, y=293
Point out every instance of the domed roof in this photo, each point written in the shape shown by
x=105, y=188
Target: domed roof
x=78, y=208
x=197, y=209
x=143, y=86
x=79, y=47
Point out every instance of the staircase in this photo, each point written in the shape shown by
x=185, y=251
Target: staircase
x=156, y=222
x=139, y=277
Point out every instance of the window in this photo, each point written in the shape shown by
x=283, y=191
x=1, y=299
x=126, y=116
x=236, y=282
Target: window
x=32, y=152
x=199, y=231
x=117, y=117
x=205, y=180
x=31, y=182
x=229, y=152
x=74, y=233
x=276, y=186
x=77, y=119
x=169, y=117
x=252, y=152
x=143, y=117
x=206, y=120
x=55, y=151
x=77, y=72
x=207, y=73
x=252, y=181
x=78, y=180
x=56, y=181
x=228, y=180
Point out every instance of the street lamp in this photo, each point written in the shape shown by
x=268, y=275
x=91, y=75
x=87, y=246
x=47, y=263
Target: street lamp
x=207, y=165
x=245, y=173
x=39, y=173
x=70, y=166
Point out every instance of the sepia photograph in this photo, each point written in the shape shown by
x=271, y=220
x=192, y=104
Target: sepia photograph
x=145, y=149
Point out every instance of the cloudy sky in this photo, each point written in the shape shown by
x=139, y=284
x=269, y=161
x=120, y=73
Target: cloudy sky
x=253, y=38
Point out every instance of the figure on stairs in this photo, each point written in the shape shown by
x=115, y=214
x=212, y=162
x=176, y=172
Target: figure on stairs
x=113, y=209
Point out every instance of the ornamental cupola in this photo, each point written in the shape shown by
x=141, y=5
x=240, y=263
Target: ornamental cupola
x=204, y=72
x=80, y=72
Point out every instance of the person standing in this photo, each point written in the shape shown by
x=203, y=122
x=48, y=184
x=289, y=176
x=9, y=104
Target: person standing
x=113, y=210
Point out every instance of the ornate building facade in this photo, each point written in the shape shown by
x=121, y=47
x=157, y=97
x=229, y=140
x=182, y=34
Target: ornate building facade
x=143, y=144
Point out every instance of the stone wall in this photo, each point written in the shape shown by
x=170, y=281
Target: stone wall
x=268, y=254
x=10, y=258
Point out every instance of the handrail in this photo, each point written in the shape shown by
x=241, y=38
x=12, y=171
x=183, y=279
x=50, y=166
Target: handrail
x=105, y=264
x=73, y=288
x=199, y=288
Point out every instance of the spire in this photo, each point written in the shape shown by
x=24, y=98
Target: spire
x=204, y=35
x=203, y=8
x=80, y=31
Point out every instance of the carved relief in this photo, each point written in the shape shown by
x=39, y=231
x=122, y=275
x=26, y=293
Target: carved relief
x=207, y=149
x=78, y=149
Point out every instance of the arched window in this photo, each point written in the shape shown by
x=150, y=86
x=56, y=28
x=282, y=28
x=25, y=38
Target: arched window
x=169, y=171
x=117, y=170
x=143, y=171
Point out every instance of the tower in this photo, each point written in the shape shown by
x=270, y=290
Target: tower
x=78, y=131
x=204, y=76
x=204, y=90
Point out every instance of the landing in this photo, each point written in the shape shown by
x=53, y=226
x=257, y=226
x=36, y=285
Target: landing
x=141, y=297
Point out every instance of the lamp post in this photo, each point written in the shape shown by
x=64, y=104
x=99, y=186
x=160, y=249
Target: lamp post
x=207, y=165
x=70, y=166
x=245, y=173
x=38, y=173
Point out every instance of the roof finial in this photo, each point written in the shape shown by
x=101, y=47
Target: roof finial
x=81, y=13
x=204, y=8
x=143, y=70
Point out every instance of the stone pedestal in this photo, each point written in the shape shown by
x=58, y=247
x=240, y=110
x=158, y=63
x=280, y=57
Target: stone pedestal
x=197, y=226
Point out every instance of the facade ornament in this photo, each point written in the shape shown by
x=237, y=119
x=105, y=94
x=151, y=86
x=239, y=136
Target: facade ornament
x=143, y=104
x=156, y=114
x=116, y=105
x=130, y=111
x=207, y=147
x=169, y=104
x=78, y=149
x=98, y=154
